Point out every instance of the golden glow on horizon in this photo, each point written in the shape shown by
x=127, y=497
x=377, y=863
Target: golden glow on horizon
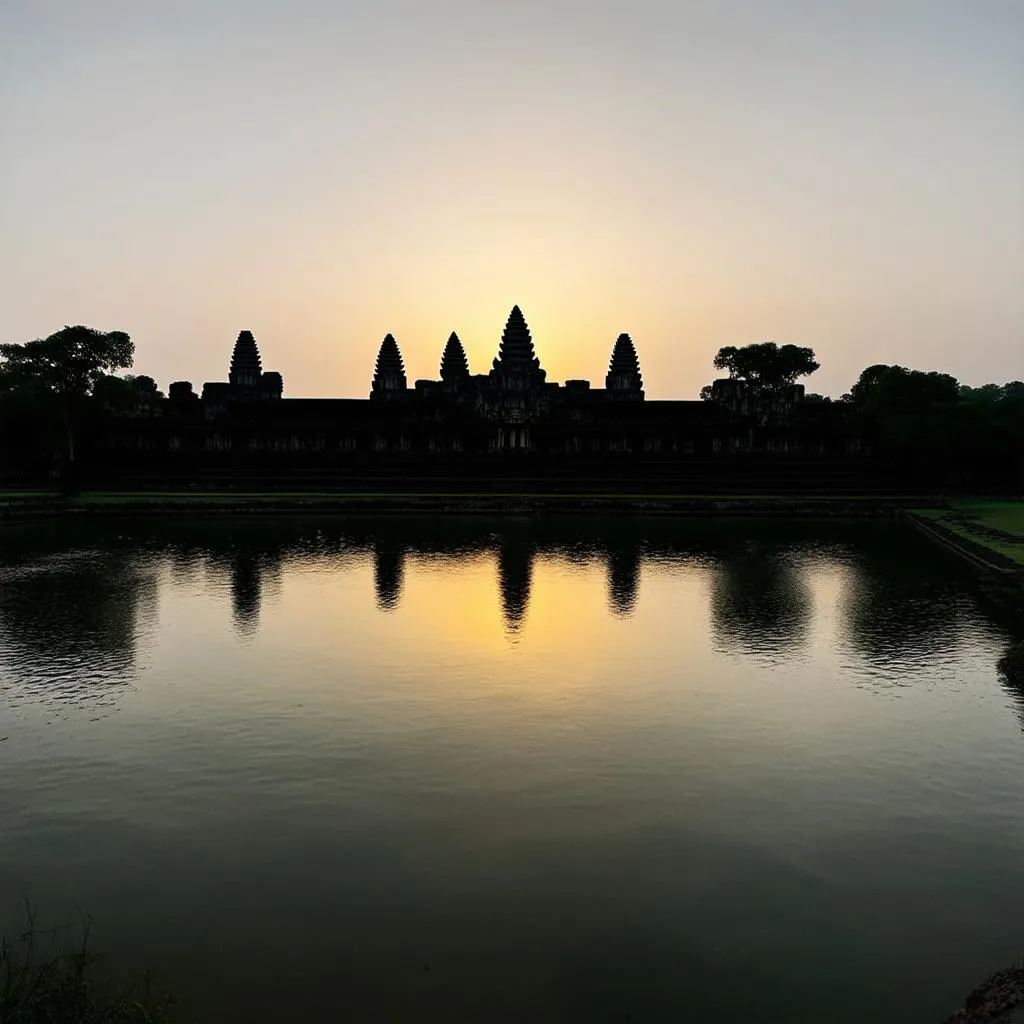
x=660, y=168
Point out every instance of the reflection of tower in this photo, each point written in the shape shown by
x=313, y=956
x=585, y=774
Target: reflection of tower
x=388, y=573
x=246, y=591
x=623, y=577
x=515, y=569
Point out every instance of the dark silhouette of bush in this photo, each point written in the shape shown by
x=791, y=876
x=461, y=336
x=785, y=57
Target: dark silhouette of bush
x=45, y=982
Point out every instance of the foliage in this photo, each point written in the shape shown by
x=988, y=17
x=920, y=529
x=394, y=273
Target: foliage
x=42, y=982
x=67, y=364
x=766, y=365
x=938, y=429
x=125, y=394
x=886, y=389
x=44, y=383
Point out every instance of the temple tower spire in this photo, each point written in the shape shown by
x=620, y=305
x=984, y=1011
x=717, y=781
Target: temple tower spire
x=517, y=364
x=389, y=375
x=624, y=378
x=245, y=362
x=454, y=364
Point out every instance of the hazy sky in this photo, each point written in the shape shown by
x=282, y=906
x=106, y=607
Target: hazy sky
x=846, y=175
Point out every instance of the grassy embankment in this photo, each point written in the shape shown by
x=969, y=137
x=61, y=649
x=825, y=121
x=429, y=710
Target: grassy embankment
x=991, y=533
x=997, y=526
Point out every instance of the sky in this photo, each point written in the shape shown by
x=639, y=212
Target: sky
x=844, y=175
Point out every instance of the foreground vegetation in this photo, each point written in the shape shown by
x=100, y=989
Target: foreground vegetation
x=46, y=981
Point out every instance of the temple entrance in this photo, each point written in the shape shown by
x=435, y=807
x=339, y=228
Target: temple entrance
x=514, y=437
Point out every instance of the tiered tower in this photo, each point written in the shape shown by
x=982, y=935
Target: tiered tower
x=517, y=368
x=389, y=376
x=624, y=378
x=246, y=380
x=454, y=364
x=246, y=368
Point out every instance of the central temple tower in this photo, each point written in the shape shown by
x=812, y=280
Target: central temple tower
x=516, y=367
x=518, y=394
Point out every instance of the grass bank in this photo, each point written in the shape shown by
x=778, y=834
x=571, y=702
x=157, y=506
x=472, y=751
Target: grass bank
x=995, y=527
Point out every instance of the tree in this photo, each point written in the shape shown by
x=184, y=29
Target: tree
x=764, y=366
x=884, y=390
x=125, y=394
x=915, y=418
x=62, y=370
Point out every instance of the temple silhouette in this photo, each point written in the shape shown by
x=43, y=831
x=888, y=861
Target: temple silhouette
x=510, y=420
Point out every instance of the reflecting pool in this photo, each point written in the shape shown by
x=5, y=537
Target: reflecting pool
x=513, y=769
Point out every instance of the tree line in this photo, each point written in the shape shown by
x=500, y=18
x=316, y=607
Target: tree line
x=922, y=421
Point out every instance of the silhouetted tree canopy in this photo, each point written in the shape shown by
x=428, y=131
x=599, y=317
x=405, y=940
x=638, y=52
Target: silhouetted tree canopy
x=125, y=394
x=764, y=365
x=934, y=428
x=53, y=376
x=883, y=389
x=67, y=364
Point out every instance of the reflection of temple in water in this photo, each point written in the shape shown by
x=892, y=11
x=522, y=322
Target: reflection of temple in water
x=901, y=610
x=246, y=591
x=760, y=603
x=623, y=578
x=253, y=567
x=515, y=572
x=75, y=625
x=388, y=572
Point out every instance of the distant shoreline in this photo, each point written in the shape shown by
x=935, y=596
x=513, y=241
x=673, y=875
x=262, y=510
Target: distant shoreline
x=25, y=505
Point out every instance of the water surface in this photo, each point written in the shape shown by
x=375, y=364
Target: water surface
x=513, y=769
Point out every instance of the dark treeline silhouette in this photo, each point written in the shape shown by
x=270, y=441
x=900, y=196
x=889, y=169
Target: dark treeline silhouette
x=927, y=426
x=51, y=386
x=67, y=416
